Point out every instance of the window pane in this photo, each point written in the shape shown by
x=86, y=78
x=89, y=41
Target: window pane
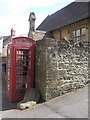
x=78, y=32
x=8, y=69
x=83, y=31
x=73, y=34
x=83, y=38
x=8, y=51
x=73, y=39
x=78, y=39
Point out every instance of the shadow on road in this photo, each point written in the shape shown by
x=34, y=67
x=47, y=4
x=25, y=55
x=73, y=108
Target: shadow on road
x=6, y=105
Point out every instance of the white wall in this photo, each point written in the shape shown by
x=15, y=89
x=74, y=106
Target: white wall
x=1, y=44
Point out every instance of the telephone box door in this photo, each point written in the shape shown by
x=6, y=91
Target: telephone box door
x=20, y=69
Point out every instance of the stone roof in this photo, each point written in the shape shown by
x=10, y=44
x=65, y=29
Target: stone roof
x=72, y=13
x=5, y=38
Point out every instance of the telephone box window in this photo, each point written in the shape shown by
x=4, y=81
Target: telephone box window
x=22, y=68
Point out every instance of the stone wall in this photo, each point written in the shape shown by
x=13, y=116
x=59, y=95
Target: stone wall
x=60, y=67
x=40, y=67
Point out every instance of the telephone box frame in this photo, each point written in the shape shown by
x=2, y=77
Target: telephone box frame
x=21, y=44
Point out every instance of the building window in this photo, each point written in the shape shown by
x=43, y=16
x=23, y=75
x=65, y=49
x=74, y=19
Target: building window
x=83, y=33
x=73, y=35
x=79, y=35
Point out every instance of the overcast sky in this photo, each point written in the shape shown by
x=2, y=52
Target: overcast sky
x=15, y=13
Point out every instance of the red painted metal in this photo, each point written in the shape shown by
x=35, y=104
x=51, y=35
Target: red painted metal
x=19, y=68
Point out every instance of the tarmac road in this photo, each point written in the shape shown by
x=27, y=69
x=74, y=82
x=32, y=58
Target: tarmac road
x=71, y=105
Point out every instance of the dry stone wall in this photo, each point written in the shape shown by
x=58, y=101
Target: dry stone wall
x=60, y=67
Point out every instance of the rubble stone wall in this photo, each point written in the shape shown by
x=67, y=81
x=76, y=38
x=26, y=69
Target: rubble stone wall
x=60, y=67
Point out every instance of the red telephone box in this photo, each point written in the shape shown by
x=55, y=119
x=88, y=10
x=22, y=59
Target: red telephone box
x=20, y=67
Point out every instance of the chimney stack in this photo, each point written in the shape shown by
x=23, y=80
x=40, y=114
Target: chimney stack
x=32, y=19
x=12, y=32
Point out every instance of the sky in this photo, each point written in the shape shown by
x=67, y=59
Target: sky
x=15, y=13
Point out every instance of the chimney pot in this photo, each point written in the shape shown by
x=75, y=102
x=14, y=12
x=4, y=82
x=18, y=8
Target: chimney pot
x=12, y=32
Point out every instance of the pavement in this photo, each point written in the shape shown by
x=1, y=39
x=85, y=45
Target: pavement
x=71, y=105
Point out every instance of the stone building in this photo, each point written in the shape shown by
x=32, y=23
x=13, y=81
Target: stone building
x=71, y=22
x=62, y=67
x=6, y=40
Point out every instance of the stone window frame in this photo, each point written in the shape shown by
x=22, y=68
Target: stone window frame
x=77, y=34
